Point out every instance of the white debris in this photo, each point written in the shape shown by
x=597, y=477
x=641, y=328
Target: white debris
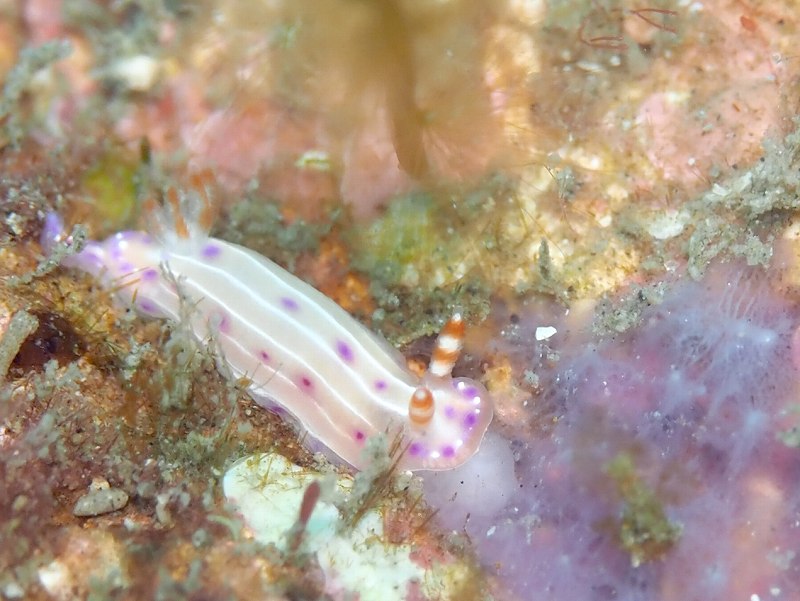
x=314, y=160
x=267, y=490
x=139, y=72
x=13, y=590
x=56, y=579
x=668, y=224
x=545, y=332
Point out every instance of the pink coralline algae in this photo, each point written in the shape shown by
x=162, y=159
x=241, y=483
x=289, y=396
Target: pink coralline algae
x=664, y=476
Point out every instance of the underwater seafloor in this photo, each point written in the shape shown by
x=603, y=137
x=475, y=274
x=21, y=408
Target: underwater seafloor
x=608, y=192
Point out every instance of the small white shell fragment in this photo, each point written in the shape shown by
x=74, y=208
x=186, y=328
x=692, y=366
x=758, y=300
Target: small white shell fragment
x=267, y=490
x=139, y=73
x=315, y=160
x=590, y=66
x=668, y=225
x=545, y=332
x=742, y=183
x=605, y=220
x=99, y=483
x=13, y=590
x=720, y=191
x=99, y=501
x=56, y=579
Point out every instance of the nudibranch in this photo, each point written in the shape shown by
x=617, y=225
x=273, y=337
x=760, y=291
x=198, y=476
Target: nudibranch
x=294, y=346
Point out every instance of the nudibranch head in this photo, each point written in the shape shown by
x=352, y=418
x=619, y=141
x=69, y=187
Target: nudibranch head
x=129, y=263
x=448, y=418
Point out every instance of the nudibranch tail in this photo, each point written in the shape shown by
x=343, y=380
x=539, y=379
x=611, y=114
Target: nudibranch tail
x=73, y=245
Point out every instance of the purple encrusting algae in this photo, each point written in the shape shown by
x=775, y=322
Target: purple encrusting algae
x=664, y=476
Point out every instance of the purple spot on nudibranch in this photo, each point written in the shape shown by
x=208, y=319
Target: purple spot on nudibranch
x=146, y=305
x=448, y=451
x=126, y=267
x=360, y=436
x=211, y=251
x=150, y=275
x=415, y=449
x=469, y=392
x=220, y=320
x=306, y=382
x=450, y=412
x=344, y=350
x=264, y=356
x=470, y=420
x=289, y=303
x=380, y=385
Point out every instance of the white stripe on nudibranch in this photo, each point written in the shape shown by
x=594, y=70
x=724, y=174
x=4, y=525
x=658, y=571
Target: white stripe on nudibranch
x=297, y=347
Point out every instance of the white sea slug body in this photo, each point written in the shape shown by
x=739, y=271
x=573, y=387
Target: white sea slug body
x=296, y=347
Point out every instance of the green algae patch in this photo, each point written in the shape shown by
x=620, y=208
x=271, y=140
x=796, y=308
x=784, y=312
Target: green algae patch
x=425, y=260
x=409, y=243
x=450, y=235
x=791, y=436
x=111, y=185
x=410, y=315
x=259, y=224
x=643, y=529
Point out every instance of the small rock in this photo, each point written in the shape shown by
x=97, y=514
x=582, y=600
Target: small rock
x=98, y=502
x=139, y=73
x=98, y=483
